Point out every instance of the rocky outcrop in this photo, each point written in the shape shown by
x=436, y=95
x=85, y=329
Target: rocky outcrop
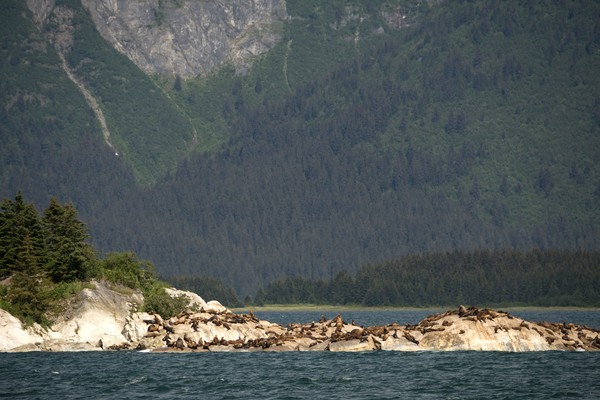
x=102, y=319
x=97, y=317
x=489, y=330
x=13, y=335
x=463, y=329
x=93, y=320
x=185, y=37
x=188, y=38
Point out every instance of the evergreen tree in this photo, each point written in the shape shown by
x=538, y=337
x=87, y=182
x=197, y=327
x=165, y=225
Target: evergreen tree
x=18, y=220
x=28, y=289
x=70, y=256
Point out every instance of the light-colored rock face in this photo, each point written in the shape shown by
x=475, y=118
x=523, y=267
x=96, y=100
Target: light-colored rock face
x=195, y=301
x=12, y=333
x=188, y=37
x=98, y=314
x=489, y=330
x=103, y=319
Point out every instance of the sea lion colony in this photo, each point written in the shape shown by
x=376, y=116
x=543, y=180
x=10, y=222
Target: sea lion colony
x=462, y=329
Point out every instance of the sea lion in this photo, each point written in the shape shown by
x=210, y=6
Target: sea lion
x=410, y=338
x=339, y=324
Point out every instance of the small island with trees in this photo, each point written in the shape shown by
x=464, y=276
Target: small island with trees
x=67, y=298
x=45, y=259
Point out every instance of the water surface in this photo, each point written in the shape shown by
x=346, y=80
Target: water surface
x=294, y=375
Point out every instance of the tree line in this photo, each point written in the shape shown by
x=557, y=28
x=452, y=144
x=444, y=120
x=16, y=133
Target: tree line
x=482, y=277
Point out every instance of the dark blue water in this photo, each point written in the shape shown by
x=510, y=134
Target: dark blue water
x=377, y=375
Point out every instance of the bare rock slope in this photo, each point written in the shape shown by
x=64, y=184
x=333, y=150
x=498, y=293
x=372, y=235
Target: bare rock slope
x=188, y=38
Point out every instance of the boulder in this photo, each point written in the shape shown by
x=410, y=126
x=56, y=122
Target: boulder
x=214, y=306
x=136, y=327
x=195, y=301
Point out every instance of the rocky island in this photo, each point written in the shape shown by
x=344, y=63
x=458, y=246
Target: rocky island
x=101, y=318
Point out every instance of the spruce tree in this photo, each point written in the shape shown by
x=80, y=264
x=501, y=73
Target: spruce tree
x=70, y=256
x=18, y=220
x=28, y=290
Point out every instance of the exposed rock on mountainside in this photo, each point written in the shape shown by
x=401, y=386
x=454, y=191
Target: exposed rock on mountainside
x=188, y=38
x=102, y=319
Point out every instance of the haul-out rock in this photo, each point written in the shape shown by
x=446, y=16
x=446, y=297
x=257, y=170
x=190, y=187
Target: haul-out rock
x=489, y=330
x=463, y=329
x=103, y=319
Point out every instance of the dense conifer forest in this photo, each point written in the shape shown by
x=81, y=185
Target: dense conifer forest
x=474, y=125
x=46, y=258
x=501, y=277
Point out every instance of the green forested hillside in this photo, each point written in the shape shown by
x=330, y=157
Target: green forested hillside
x=358, y=139
x=45, y=115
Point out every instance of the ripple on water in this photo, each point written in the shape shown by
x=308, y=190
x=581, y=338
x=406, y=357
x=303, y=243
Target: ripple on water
x=421, y=375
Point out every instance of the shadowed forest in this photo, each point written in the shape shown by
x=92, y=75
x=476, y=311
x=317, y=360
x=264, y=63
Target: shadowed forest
x=417, y=166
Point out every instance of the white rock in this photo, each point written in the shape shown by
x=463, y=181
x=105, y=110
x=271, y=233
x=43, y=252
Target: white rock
x=135, y=327
x=99, y=313
x=12, y=333
x=195, y=301
x=214, y=306
x=399, y=344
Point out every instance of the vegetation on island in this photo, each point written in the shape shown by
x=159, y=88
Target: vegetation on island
x=45, y=259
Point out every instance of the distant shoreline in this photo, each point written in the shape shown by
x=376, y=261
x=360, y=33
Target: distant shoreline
x=329, y=307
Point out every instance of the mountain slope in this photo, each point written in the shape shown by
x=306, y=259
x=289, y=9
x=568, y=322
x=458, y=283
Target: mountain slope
x=475, y=125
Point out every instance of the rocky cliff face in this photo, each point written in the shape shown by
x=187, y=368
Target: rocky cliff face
x=183, y=37
x=186, y=37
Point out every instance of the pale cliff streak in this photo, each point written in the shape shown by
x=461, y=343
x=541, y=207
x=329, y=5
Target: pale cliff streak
x=188, y=38
x=61, y=38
